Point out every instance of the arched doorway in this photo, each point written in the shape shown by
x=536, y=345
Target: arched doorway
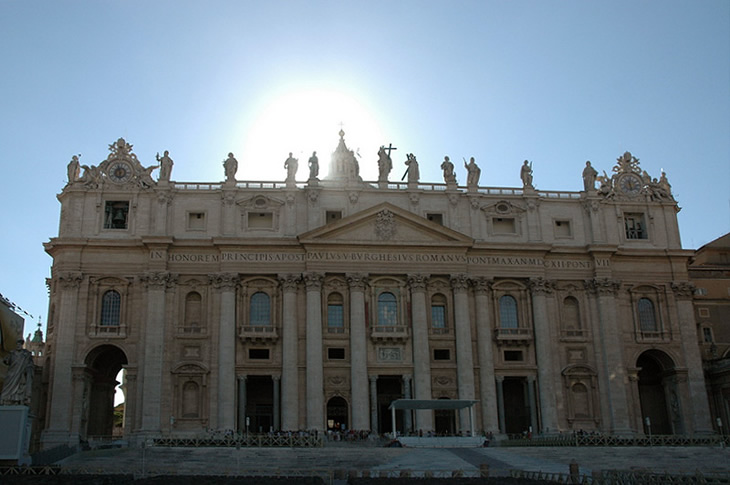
x=337, y=414
x=658, y=393
x=444, y=421
x=516, y=405
x=102, y=365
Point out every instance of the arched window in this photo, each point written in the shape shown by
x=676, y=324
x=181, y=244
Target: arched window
x=647, y=316
x=387, y=309
x=111, y=304
x=193, y=311
x=260, y=310
x=335, y=313
x=571, y=314
x=438, y=313
x=508, y=312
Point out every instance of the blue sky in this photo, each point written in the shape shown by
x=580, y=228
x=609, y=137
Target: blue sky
x=555, y=82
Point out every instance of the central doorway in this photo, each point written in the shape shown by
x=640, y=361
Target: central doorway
x=337, y=414
x=389, y=389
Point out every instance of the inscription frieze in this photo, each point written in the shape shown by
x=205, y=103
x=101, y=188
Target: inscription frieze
x=370, y=257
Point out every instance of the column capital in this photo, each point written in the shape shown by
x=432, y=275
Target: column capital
x=69, y=280
x=541, y=286
x=499, y=379
x=312, y=280
x=482, y=285
x=417, y=282
x=459, y=282
x=683, y=290
x=276, y=377
x=602, y=286
x=357, y=281
x=224, y=281
x=159, y=279
x=372, y=379
x=407, y=377
x=289, y=281
x=242, y=377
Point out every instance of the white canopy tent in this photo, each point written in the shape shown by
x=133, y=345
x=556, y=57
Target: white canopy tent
x=455, y=404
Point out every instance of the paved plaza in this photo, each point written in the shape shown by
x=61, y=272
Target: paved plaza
x=298, y=461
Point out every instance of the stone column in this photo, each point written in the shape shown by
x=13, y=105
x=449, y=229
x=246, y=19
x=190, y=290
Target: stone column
x=699, y=407
x=226, y=284
x=241, y=378
x=531, y=401
x=130, y=399
x=487, y=392
x=500, y=403
x=80, y=397
x=154, y=343
x=277, y=408
x=612, y=370
x=358, y=353
x=464, y=359
x=315, y=387
x=543, y=350
x=407, y=413
x=289, y=354
x=59, y=412
x=374, y=404
x=421, y=352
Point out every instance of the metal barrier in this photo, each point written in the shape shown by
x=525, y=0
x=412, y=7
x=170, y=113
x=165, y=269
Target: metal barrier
x=252, y=440
x=608, y=440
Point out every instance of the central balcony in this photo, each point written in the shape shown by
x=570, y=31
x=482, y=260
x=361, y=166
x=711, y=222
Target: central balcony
x=258, y=333
x=389, y=333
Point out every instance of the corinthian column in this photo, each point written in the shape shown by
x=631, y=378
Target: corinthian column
x=226, y=284
x=421, y=354
x=358, y=353
x=612, y=371
x=699, y=408
x=315, y=388
x=289, y=354
x=543, y=350
x=464, y=359
x=59, y=418
x=487, y=391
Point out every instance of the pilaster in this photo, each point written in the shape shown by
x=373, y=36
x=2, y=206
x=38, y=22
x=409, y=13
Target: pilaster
x=421, y=353
x=485, y=353
x=290, y=355
x=315, y=373
x=226, y=284
x=464, y=359
x=358, y=352
x=540, y=288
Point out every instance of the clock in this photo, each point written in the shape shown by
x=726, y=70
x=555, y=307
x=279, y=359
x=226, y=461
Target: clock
x=120, y=172
x=630, y=184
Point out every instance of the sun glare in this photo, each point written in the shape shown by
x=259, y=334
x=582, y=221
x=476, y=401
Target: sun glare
x=306, y=121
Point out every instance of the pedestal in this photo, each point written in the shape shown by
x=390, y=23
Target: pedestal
x=15, y=423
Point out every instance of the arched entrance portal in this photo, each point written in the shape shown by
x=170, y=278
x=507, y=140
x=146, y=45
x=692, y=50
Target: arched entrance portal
x=336, y=414
x=658, y=393
x=102, y=366
x=445, y=421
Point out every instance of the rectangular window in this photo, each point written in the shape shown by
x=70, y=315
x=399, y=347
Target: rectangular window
x=332, y=216
x=437, y=218
x=707, y=335
x=704, y=312
x=503, y=225
x=635, y=226
x=196, y=221
x=335, y=319
x=116, y=214
x=260, y=220
x=258, y=354
x=438, y=317
x=336, y=353
x=562, y=229
x=513, y=356
x=441, y=354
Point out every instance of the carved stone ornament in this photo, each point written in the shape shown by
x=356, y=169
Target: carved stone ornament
x=390, y=354
x=339, y=382
x=542, y=286
x=224, y=281
x=289, y=282
x=69, y=280
x=460, y=282
x=443, y=381
x=385, y=225
x=158, y=279
x=603, y=286
x=357, y=281
x=481, y=284
x=121, y=168
x=683, y=290
x=313, y=281
x=417, y=282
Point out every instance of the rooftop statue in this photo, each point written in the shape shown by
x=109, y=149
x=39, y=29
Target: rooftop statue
x=526, y=175
x=73, y=169
x=166, y=164
x=448, y=168
x=291, y=165
x=230, y=166
x=385, y=165
x=589, y=177
x=313, y=166
x=473, y=172
x=17, y=388
x=412, y=171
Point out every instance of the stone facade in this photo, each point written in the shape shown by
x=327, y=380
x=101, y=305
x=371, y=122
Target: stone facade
x=290, y=305
x=709, y=271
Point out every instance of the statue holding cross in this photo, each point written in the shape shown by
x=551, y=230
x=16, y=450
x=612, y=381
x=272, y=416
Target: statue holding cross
x=385, y=163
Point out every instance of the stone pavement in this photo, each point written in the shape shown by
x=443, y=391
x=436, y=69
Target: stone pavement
x=299, y=461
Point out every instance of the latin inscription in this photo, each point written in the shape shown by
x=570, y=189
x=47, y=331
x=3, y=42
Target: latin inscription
x=355, y=257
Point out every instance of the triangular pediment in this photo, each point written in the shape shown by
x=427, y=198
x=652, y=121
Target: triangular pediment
x=386, y=224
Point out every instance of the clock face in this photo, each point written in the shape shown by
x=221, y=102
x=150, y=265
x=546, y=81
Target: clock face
x=120, y=172
x=630, y=184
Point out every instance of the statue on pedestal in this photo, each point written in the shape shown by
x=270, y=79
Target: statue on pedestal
x=313, y=166
x=385, y=165
x=17, y=388
x=526, y=175
x=448, y=168
x=74, y=169
x=413, y=171
x=166, y=164
x=473, y=172
x=230, y=165
x=291, y=165
x=589, y=177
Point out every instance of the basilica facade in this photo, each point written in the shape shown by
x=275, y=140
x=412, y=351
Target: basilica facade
x=312, y=305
